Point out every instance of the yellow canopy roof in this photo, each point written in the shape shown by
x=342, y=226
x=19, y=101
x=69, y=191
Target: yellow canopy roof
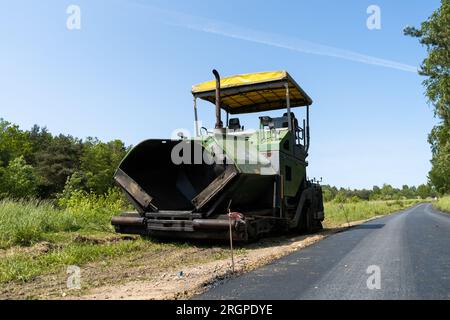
x=254, y=92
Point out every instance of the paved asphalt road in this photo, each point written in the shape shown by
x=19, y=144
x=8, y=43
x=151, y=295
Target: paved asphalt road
x=411, y=248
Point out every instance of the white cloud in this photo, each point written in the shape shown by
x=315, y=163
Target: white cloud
x=275, y=40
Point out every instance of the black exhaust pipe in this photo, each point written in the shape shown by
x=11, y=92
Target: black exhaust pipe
x=219, y=123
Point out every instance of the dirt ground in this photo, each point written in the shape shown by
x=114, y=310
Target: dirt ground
x=169, y=274
x=194, y=279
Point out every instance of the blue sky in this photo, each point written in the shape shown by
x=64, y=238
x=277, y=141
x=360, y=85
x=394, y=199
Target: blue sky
x=127, y=73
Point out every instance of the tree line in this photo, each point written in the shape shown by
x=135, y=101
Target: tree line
x=36, y=164
x=385, y=192
x=434, y=35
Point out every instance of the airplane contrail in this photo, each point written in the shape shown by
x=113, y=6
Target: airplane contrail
x=275, y=40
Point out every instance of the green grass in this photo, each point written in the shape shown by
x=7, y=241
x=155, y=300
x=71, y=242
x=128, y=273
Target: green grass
x=26, y=222
x=443, y=204
x=37, y=238
x=23, y=266
x=337, y=214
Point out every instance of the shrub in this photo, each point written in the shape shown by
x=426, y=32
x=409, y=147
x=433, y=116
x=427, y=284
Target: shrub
x=94, y=210
x=443, y=204
x=18, y=180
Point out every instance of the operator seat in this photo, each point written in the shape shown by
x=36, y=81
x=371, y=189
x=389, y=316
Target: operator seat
x=293, y=119
x=234, y=124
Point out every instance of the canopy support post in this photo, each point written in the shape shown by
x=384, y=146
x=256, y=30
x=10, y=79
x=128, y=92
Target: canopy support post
x=288, y=104
x=307, y=128
x=197, y=134
x=228, y=118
